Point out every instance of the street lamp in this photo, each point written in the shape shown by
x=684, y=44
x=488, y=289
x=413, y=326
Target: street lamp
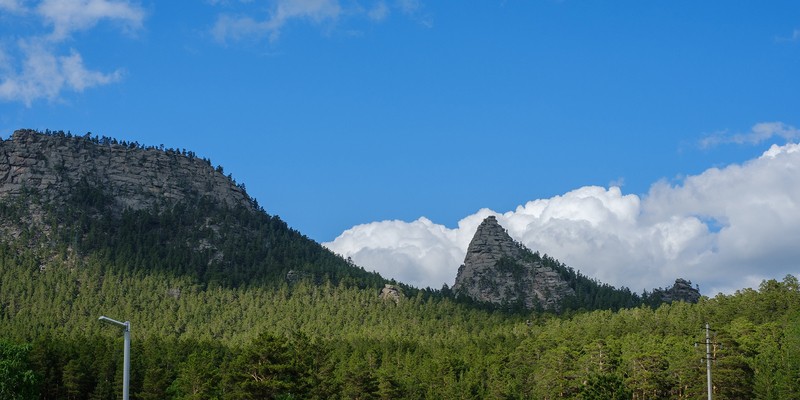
x=126, y=369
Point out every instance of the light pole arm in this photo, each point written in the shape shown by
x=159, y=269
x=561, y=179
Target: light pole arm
x=125, y=325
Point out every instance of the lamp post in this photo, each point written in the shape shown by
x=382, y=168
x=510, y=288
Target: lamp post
x=126, y=369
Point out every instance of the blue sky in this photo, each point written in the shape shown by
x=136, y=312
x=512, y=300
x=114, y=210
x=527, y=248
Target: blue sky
x=337, y=114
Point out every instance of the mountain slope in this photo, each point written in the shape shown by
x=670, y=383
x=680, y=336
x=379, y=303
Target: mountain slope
x=498, y=270
x=138, y=208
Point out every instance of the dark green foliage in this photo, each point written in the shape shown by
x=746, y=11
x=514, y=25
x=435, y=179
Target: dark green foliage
x=309, y=341
x=589, y=293
x=17, y=380
x=272, y=367
x=198, y=374
x=213, y=244
x=604, y=387
x=508, y=265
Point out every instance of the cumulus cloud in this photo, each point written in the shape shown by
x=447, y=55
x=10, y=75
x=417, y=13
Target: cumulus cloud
x=758, y=133
x=251, y=23
x=46, y=75
x=40, y=65
x=419, y=253
x=725, y=229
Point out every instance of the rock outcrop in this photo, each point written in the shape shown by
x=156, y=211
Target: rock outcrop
x=391, y=292
x=682, y=290
x=133, y=176
x=499, y=271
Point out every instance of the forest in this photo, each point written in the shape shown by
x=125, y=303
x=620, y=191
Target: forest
x=312, y=340
x=226, y=303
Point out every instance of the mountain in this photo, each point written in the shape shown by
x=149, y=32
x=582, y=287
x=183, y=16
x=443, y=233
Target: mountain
x=227, y=302
x=130, y=175
x=140, y=208
x=498, y=270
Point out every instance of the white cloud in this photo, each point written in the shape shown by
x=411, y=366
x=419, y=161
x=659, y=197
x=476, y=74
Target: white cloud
x=251, y=23
x=238, y=27
x=420, y=253
x=758, y=133
x=45, y=75
x=724, y=229
x=67, y=16
x=39, y=65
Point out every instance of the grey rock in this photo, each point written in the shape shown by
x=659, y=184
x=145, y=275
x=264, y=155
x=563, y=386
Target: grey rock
x=496, y=270
x=391, y=292
x=135, y=177
x=682, y=290
x=55, y=168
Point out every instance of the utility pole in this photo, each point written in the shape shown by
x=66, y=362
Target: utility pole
x=708, y=359
x=711, y=355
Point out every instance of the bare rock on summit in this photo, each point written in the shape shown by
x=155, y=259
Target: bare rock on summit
x=498, y=270
x=682, y=290
x=40, y=172
x=133, y=176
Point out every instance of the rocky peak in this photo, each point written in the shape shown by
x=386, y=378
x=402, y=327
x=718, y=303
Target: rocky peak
x=134, y=176
x=499, y=270
x=491, y=242
x=682, y=290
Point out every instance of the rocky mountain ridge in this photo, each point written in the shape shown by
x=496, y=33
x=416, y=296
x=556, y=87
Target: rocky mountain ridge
x=136, y=177
x=71, y=201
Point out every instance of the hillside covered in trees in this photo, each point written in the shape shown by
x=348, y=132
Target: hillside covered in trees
x=135, y=208
x=228, y=302
x=334, y=341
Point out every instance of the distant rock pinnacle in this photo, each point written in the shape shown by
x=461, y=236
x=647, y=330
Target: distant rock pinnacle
x=682, y=290
x=499, y=270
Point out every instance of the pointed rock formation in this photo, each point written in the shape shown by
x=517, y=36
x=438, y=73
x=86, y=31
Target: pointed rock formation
x=682, y=290
x=499, y=270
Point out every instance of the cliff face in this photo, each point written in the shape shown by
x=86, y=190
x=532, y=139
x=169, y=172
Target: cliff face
x=498, y=270
x=135, y=177
x=682, y=290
